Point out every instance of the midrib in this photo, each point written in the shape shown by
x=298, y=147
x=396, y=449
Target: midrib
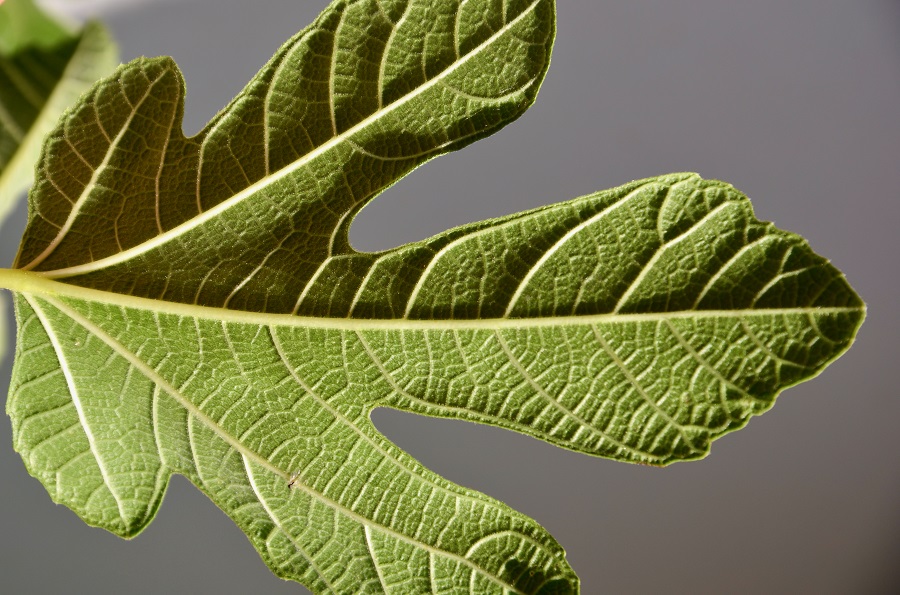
x=31, y=283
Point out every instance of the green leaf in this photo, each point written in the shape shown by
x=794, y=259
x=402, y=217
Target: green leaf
x=23, y=25
x=43, y=70
x=193, y=306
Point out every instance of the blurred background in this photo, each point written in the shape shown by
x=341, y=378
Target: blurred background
x=795, y=102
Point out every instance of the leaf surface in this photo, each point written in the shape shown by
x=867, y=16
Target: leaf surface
x=193, y=306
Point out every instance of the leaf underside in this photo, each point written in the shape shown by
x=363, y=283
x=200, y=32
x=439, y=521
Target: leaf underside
x=193, y=306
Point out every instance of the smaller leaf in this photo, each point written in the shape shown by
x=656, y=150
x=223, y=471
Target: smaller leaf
x=24, y=24
x=43, y=69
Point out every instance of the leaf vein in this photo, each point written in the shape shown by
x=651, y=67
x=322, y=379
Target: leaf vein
x=658, y=254
x=79, y=406
x=280, y=527
x=526, y=279
x=562, y=408
x=89, y=187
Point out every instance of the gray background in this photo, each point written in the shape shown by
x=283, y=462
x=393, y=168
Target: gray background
x=793, y=101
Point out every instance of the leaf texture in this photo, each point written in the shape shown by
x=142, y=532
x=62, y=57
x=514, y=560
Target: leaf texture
x=193, y=306
x=43, y=70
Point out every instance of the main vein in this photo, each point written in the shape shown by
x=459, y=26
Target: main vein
x=41, y=284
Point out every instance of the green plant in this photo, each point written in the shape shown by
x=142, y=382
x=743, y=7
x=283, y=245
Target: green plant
x=638, y=323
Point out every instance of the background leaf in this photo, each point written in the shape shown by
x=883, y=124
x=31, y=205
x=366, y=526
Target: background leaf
x=43, y=70
x=23, y=24
x=611, y=489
